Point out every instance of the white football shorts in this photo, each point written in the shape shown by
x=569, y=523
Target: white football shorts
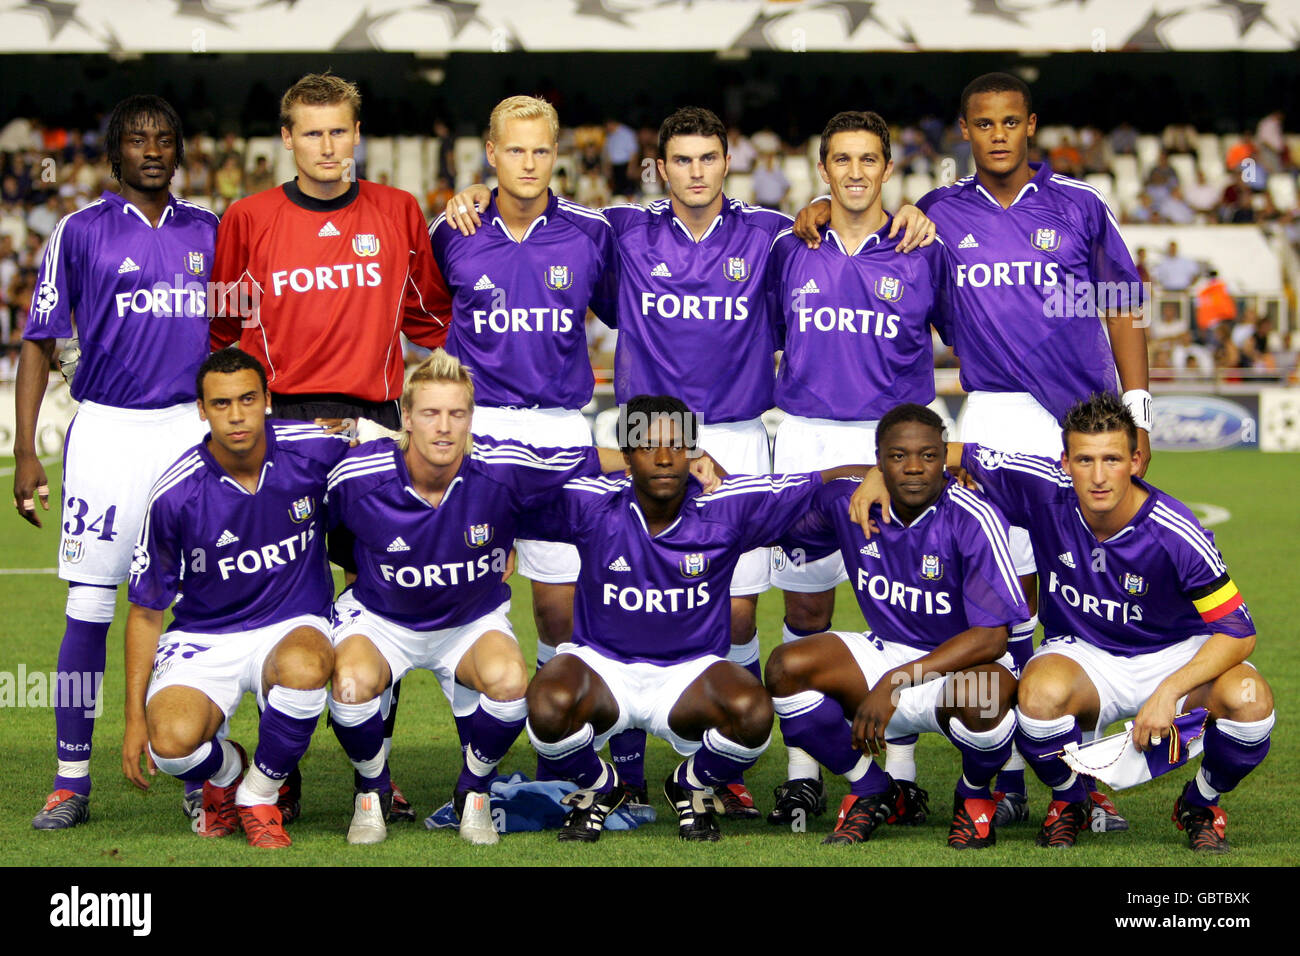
x=548, y=561
x=646, y=693
x=1011, y=421
x=405, y=650
x=223, y=666
x=111, y=459
x=743, y=448
x=812, y=444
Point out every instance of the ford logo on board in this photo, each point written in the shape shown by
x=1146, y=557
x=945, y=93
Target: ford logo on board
x=1197, y=423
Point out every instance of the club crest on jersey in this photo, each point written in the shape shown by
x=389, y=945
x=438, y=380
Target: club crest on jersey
x=73, y=550
x=365, y=244
x=302, y=509
x=478, y=535
x=693, y=565
x=1135, y=585
x=1045, y=239
x=736, y=269
x=889, y=288
x=931, y=569
x=194, y=263
x=559, y=278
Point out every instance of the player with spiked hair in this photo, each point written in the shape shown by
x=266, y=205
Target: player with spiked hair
x=1141, y=618
x=131, y=270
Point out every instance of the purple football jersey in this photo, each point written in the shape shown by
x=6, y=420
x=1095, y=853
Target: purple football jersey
x=855, y=326
x=692, y=320
x=519, y=308
x=239, y=559
x=923, y=583
x=1031, y=285
x=430, y=568
x=1158, y=582
x=137, y=296
x=665, y=599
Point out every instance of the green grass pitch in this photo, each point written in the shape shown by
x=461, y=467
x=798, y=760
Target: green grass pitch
x=1260, y=540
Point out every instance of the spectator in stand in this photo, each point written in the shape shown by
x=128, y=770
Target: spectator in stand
x=436, y=199
x=741, y=151
x=260, y=178
x=1176, y=210
x=1140, y=263
x=1065, y=157
x=42, y=219
x=1143, y=211
x=1242, y=159
x=1271, y=142
x=1203, y=196
x=229, y=182
x=620, y=153
x=1092, y=145
x=1214, y=305
x=1176, y=273
x=1161, y=180
x=1123, y=140
x=770, y=183
x=1179, y=138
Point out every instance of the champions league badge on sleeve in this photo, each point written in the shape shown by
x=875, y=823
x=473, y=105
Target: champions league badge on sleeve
x=888, y=288
x=478, y=535
x=365, y=244
x=558, y=278
x=302, y=509
x=931, y=569
x=736, y=269
x=693, y=565
x=1046, y=240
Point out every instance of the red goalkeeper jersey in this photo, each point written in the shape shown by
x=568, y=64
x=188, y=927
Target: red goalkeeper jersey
x=319, y=290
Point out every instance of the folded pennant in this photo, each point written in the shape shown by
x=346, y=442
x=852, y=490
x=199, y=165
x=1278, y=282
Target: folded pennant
x=1115, y=761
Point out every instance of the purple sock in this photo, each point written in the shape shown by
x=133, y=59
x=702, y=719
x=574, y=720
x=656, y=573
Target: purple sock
x=493, y=727
x=627, y=751
x=719, y=760
x=204, y=769
x=82, y=655
x=195, y=786
x=815, y=724
x=1040, y=743
x=573, y=758
x=1011, y=781
x=1232, y=750
x=285, y=729
x=360, y=730
x=982, y=751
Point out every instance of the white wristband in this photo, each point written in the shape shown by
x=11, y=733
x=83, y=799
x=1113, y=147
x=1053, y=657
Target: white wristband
x=1138, y=402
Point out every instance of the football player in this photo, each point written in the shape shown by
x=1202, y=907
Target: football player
x=237, y=518
x=130, y=270
x=854, y=321
x=1140, y=615
x=939, y=592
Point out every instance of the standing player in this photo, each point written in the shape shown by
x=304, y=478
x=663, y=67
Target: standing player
x=521, y=287
x=341, y=267
x=1045, y=311
x=236, y=518
x=130, y=272
x=690, y=288
x=435, y=519
x=1140, y=615
x=650, y=635
x=939, y=592
x=856, y=323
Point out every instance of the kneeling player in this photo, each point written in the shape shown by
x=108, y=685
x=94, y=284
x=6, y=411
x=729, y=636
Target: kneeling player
x=938, y=590
x=236, y=518
x=435, y=519
x=1141, y=618
x=651, y=622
